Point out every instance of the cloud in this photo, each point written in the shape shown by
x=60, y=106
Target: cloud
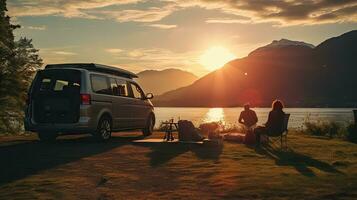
x=64, y=53
x=227, y=21
x=287, y=12
x=39, y=28
x=66, y=8
x=137, y=53
x=58, y=55
x=158, y=58
x=163, y=26
x=280, y=12
x=150, y=14
x=114, y=51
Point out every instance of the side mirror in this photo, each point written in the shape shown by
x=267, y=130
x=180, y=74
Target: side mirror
x=149, y=96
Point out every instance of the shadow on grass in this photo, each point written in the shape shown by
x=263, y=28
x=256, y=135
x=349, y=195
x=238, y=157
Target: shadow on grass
x=164, y=152
x=28, y=158
x=302, y=163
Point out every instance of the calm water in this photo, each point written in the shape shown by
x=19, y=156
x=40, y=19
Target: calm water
x=229, y=116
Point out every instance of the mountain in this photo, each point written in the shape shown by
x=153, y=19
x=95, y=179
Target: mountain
x=296, y=73
x=159, y=82
x=277, y=45
x=286, y=42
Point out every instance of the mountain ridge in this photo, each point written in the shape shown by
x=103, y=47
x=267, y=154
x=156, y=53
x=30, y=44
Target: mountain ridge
x=299, y=75
x=173, y=78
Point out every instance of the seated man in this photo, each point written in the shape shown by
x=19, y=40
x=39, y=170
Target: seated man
x=248, y=117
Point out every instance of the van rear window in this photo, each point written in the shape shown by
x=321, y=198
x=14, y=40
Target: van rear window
x=53, y=81
x=100, y=84
x=60, y=84
x=45, y=84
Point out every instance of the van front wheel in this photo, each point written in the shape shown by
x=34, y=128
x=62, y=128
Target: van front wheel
x=104, y=129
x=149, y=128
x=47, y=137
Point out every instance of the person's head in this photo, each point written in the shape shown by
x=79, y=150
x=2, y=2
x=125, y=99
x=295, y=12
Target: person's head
x=246, y=106
x=277, y=105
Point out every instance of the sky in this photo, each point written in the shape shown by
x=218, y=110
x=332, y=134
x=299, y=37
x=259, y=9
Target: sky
x=141, y=34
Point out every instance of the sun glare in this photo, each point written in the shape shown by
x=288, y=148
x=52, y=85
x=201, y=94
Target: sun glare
x=215, y=115
x=215, y=57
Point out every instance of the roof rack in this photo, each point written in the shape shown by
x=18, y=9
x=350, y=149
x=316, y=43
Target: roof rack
x=95, y=67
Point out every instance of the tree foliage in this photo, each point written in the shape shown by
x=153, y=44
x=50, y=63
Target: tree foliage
x=18, y=62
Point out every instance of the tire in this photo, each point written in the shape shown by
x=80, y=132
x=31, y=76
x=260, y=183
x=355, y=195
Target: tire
x=149, y=127
x=47, y=136
x=104, y=129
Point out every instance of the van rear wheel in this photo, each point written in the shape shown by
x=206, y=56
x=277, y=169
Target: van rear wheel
x=149, y=128
x=47, y=136
x=104, y=129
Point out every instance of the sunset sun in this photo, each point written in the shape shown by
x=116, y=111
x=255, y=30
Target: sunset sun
x=215, y=57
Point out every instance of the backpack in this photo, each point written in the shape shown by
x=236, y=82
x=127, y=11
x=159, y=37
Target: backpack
x=250, y=138
x=188, y=132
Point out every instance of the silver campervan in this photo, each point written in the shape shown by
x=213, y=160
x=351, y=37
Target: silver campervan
x=87, y=98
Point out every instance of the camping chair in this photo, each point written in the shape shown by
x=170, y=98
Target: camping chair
x=283, y=135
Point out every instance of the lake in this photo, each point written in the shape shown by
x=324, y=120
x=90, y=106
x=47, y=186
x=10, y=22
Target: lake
x=229, y=116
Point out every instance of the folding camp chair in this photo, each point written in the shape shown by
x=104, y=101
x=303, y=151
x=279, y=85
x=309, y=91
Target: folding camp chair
x=283, y=135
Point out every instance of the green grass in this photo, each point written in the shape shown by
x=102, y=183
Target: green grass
x=80, y=168
x=331, y=130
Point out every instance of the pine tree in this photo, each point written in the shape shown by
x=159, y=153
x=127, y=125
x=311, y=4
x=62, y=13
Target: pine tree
x=18, y=62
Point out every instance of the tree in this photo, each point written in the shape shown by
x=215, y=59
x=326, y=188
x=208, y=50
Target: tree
x=18, y=62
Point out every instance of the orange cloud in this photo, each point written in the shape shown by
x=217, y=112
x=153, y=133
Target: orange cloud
x=282, y=12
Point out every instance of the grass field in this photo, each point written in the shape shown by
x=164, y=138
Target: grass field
x=81, y=168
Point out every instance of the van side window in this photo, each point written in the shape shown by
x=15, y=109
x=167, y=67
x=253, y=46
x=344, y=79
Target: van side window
x=137, y=92
x=122, y=88
x=114, y=87
x=100, y=84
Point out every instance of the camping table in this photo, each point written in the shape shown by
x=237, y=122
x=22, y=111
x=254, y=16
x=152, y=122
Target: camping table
x=168, y=132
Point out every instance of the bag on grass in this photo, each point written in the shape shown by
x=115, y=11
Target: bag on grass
x=249, y=138
x=188, y=132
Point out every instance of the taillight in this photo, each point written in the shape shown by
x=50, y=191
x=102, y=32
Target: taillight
x=85, y=99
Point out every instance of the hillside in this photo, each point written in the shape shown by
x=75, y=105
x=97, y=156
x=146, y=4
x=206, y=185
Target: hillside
x=300, y=75
x=159, y=82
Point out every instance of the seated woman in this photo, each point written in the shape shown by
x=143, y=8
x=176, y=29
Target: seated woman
x=273, y=127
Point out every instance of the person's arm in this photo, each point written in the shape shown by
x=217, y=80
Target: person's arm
x=255, y=118
x=240, y=120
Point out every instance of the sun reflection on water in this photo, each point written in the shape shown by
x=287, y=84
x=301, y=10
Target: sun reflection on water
x=214, y=115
